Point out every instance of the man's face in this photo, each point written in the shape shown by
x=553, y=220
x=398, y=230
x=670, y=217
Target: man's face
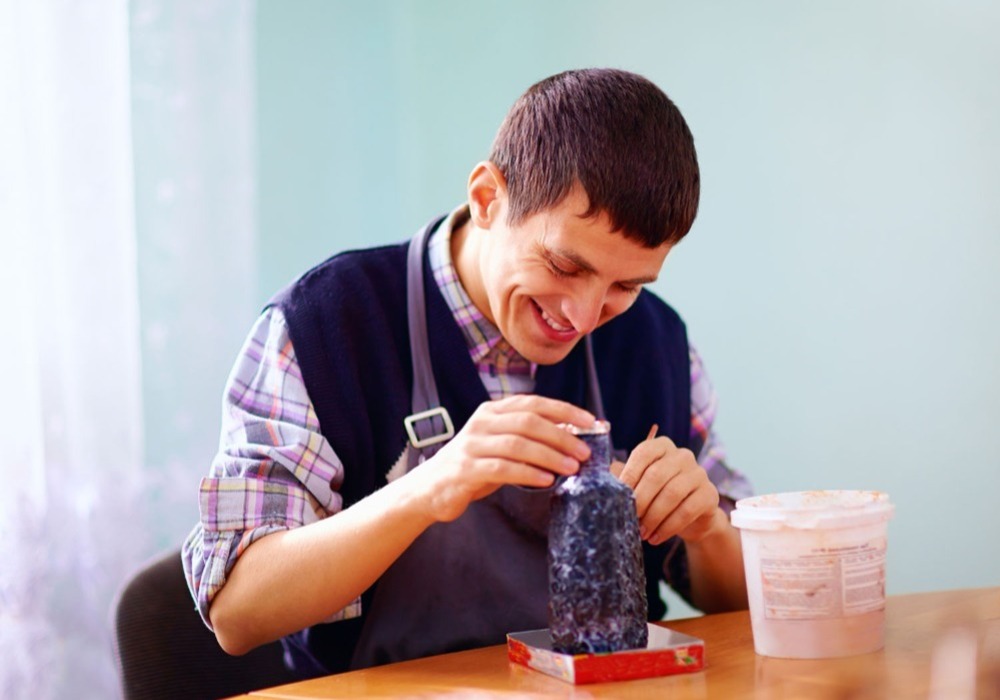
x=557, y=276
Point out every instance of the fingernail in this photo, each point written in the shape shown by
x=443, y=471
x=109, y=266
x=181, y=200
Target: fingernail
x=642, y=533
x=570, y=465
x=655, y=540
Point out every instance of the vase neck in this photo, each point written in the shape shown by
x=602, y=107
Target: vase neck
x=600, y=453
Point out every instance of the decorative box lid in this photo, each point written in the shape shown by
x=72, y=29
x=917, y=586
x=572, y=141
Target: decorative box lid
x=668, y=652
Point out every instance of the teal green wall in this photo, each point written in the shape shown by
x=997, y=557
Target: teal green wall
x=194, y=156
x=372, y=114
x=841, y=280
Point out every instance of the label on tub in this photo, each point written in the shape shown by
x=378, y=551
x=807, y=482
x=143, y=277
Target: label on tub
x=827, y=582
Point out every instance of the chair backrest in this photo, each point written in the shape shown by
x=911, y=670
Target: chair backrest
x=164, y=650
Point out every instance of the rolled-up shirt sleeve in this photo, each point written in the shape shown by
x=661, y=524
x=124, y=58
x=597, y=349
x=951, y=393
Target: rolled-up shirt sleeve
x=274, y=470
x=705, y=443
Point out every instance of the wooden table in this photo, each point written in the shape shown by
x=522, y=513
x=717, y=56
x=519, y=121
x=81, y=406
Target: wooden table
x=918, y=628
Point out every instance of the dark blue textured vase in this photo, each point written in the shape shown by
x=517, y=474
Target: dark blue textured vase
x=597, y=585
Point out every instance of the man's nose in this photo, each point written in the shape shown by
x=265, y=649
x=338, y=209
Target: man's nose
x=584, y=309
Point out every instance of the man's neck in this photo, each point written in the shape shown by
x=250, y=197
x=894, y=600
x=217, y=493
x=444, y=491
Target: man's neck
x=465, y=255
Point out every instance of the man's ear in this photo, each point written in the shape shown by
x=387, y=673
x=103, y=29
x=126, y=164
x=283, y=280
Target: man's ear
x=487, y=191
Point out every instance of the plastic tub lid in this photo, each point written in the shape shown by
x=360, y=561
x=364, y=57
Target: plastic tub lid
x=808, y=510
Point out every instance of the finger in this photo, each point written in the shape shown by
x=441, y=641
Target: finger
x=554, y=410
x=536, y=428
x=616, y=468
x=667, y=482
x=521, y=449
x=699, y=503
x=646, y=453
x=535, y=478
x=509, y=471
x=657, y=486
x=668, y=496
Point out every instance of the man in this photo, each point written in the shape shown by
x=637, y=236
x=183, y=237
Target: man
x=318, y=524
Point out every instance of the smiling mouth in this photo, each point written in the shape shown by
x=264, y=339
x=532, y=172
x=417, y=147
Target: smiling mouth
x=551, y=322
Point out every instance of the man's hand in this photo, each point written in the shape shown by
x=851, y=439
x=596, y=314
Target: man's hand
x=673, y=494
x=515, y=440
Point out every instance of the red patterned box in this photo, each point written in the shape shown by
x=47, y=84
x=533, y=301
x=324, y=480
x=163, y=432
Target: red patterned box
x=668, y=652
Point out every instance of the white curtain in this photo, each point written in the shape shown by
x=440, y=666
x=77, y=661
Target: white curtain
x=70, y=413
x=82, y=503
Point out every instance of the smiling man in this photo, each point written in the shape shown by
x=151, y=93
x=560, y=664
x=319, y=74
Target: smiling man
x=329, y=522
x=552, y=279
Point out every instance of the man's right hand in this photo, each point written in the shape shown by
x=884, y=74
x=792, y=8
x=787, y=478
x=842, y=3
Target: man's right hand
x=515, y=440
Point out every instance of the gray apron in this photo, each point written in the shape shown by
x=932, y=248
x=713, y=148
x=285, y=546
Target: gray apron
x=466, y=583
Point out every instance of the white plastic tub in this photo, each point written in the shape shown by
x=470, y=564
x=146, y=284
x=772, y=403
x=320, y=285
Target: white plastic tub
x=815, y=568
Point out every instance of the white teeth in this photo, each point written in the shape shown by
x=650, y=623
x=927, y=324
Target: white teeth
x=553, y=323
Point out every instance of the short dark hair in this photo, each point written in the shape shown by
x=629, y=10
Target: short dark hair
x=614, y=132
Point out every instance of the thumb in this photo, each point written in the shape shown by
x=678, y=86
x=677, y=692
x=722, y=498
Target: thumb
x=617, y=468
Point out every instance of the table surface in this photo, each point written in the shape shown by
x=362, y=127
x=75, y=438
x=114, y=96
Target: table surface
x=941, y=630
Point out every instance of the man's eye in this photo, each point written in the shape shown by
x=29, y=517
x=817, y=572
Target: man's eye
x=630, y=288
x=558, y=271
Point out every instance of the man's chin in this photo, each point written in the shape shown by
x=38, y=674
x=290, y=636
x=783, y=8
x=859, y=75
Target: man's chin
x=546, y=354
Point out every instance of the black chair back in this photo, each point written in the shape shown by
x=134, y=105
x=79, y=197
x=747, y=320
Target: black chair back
x=164, y=650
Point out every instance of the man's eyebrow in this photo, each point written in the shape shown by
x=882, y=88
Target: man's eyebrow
x=581, y=263
x=637, y=281
x=572, y=256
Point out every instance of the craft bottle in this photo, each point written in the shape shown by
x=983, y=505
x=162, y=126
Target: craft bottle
x=597, y=585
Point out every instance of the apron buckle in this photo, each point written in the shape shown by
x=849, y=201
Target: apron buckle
x=420, y=443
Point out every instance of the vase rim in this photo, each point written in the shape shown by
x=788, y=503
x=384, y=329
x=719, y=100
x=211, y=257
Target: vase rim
x=600, y=427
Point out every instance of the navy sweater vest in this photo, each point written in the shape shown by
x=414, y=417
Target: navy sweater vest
x=347, y=321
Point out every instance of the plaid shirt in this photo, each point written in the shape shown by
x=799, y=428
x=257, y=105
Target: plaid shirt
x=274, y=469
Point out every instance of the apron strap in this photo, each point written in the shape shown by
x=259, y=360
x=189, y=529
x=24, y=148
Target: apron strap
x=429, y=425
x=595, y=404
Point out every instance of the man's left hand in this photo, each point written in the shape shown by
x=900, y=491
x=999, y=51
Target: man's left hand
x=673, y=494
